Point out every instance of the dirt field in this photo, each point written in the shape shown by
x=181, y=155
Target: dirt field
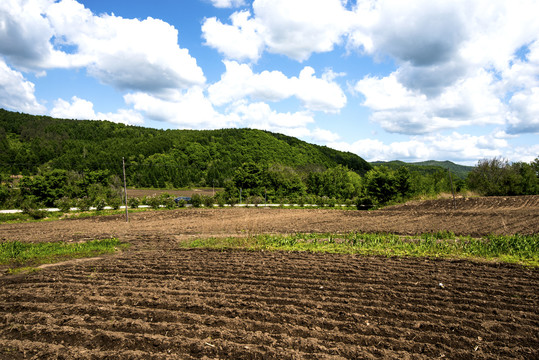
x=155, y=301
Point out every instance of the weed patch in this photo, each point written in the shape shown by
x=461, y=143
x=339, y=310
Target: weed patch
x=521, y=249
x=18, y=255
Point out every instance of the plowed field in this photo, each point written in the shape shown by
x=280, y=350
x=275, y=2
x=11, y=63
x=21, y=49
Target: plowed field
x=156, y=301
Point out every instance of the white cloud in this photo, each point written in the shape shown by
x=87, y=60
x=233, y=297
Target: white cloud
x=462, y=148
x=227, y=3
x=126, y=53
x=260, y=116
x=240, y=41
x=299, y=28
x=192, y=110
x=525, y=106
x=293, y=28
x=432, y=37
x=239, y=81
x=25, y=33
x=469, y=101
x=456, y=64
x=16, y=93
x=185, y=109
x=81, y=109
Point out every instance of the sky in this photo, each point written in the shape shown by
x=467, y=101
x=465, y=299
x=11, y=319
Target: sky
x=387, y=80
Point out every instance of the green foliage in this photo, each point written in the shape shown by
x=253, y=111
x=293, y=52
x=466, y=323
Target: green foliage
x=84, y=203
x=133, y=202
x=115, y=202
x=208, y=201
x=154, y=158
x=32, y=208
x=154, y=202
x=181, y=203
x=77, y=159
x=64, y=204
x=426, y=168
x=100, y=203
x=499, y=177
x=523, y=249
x=365, y=203
x=255, y=200
x=196, y=200
x=15, y=252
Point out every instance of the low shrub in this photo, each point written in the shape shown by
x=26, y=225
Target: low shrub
x=84, y=204
x=100, y=203
x=208, y=201
x=154, y=202
x=181, y=203
x=64, y=204
x=115, y=202
x=365, y=203
x=133, y=202
x=196, y=200
x=168, y=202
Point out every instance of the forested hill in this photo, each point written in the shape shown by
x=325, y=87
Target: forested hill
x=183, y=157
x=428, y=167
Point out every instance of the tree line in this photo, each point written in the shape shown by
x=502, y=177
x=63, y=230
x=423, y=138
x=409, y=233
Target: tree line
x=48, y=161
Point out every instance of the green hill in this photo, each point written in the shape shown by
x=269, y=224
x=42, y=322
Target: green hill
x=428, y=167
x=177, y=157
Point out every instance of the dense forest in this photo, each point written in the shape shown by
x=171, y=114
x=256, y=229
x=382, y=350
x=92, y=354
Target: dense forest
x=178, y=157
x=428, y=167
x=45, y=160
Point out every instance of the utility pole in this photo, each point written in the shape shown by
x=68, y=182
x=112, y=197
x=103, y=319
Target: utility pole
x=452, y=189
x=125, y=192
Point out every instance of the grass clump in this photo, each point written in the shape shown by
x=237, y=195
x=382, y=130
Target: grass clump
x=18, y=254
x=521, y=249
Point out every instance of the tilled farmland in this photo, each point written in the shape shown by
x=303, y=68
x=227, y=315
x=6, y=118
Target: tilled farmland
x=157, y=301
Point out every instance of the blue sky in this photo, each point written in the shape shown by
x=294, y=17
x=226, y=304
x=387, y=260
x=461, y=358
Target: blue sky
x=414, y=80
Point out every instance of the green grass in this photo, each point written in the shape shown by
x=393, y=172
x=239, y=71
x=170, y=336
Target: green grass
x=520, y=249
x=56, y=215
x=18, y=255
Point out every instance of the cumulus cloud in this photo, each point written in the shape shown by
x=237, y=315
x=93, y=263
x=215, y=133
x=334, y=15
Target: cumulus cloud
x=299, y=28
x=433, y=37
x=227, y=3
x=457, y=64
x=470, y=101
x=525, y=112
x=16, y=93
x=455, y=146
x=239, y=81
x=293, y=28
x=240, y=41
x=192, y=110
x=125, y=53
x=184, y=109
x=81, y=109
x=25, y=34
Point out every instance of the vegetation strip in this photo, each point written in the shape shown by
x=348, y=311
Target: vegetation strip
x=521, y=249
x=16, y=253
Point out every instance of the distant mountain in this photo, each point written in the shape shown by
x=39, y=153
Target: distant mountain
x=184, y=157
x=428, y=166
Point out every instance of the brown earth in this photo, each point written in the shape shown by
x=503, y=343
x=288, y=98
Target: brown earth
x=156, y=301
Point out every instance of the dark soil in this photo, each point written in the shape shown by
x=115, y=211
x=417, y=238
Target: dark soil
x=156, y=301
